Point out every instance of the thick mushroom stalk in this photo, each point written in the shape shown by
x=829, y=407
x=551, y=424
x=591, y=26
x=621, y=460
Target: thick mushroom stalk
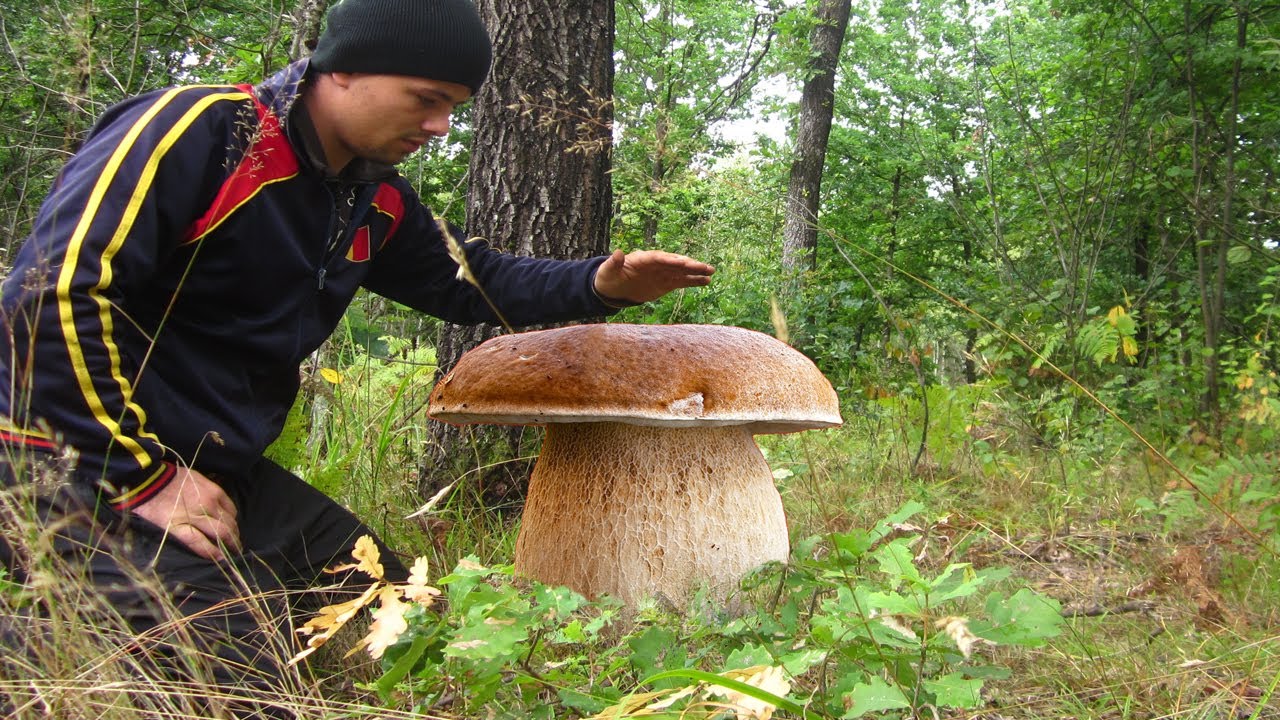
x=649, y=479
x=705, y=510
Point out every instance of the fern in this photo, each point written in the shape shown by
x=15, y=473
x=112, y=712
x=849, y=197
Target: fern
x=1098, y=341
x=1244, y=485
x=289, y=449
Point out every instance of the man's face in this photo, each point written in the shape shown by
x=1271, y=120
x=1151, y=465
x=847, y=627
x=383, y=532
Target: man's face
x=387, y=117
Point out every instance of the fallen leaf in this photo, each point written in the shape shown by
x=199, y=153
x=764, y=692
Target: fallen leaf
x=770, y=678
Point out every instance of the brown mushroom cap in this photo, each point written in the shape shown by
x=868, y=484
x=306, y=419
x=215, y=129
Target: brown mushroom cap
x=657, y=375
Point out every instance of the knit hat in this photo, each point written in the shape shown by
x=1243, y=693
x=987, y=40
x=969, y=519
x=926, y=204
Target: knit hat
x=435, y=39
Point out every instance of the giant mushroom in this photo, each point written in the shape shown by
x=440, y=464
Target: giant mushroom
x=649, y=481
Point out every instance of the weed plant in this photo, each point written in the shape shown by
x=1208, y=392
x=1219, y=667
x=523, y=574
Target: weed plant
x=960, y=567
x=1087, y=585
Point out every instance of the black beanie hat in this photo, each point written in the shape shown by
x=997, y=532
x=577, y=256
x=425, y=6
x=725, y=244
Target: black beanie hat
x=435, y=39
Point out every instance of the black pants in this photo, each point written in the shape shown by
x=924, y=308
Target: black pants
x=233, y=617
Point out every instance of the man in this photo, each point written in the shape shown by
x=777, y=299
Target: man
x=203, y=242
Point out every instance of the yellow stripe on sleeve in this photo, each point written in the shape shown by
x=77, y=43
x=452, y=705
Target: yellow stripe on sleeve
x=127, y=218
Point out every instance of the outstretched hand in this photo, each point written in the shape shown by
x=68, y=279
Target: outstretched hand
x=645, y=275
x=196, y=512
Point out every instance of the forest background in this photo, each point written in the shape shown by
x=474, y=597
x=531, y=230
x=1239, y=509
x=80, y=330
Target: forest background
x=1032, y=243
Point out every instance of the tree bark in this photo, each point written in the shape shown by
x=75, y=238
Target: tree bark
x=817, y=105
x=538, y=184
x=308, y=18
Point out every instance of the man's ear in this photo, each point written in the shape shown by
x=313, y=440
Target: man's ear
x=342, y=79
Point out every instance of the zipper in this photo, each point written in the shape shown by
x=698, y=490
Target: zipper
x=339, y=222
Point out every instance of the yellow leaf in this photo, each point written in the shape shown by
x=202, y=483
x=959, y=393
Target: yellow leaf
x=1130, y=347
x=770, y=678
x=367, y=554
x=1115, y=315
x=330, y=620
x=388, y=624
x=632, y=706
x=675, y=697
x=333, y=377
x=417, y=590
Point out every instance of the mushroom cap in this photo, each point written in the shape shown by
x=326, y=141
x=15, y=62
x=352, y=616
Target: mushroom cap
x=656, y=375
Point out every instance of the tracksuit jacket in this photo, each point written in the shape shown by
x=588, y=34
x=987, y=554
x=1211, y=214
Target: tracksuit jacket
x=191, y=255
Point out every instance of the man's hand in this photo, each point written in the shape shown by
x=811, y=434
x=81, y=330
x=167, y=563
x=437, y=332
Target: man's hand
x=646, y=275
x=196, y=512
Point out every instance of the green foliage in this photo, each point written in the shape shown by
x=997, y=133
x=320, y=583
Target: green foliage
x=887, y=636
x=65, y=61
x=486, y=631
x=853, y=622
x=8, y=588
x=1246, y=487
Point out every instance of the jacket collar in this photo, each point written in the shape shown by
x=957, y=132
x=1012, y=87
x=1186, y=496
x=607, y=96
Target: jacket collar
x=282, y=93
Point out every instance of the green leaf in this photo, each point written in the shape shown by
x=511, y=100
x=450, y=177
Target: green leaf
x=944, y=587
x=1239, y=254
x=955, y=690
x=749, y=656
x=875, y=695
x=655, y=650
x=898, y=562
x=401, y=667
x=557, y=602
x=585, y=704
x=856, y=542
x=892, y=603
x=799, y=662
x=1026, y=619
x=904, y=513
x=491, y=639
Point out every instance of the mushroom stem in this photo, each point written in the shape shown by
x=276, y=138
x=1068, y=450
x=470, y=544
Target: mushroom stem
x=633, y=511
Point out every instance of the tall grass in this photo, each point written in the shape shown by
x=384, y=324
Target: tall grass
x=1170, y=610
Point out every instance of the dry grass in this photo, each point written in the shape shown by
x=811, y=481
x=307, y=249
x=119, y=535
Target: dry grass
x=1164, y=622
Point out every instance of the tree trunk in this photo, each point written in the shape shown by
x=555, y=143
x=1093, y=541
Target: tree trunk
x=538, y=185
x=308, y=18
x=658, y=167
x=817, y=104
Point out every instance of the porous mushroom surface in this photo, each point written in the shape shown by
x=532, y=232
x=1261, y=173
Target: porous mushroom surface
x=649, y=481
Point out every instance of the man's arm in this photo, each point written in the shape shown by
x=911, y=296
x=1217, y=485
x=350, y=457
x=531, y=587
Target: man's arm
x=645, y=275
x=96, y=244
x=415, y=269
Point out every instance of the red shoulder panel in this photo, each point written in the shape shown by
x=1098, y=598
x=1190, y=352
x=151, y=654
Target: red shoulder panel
x=269, y=159
x=390, y=202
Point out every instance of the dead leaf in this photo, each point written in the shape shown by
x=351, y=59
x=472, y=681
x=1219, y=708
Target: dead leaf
x=417, y=590
x=330, y=619
x=893, y=622
x=387, y=627
x=957, y=628
x=368, y=556
x=770, y=678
